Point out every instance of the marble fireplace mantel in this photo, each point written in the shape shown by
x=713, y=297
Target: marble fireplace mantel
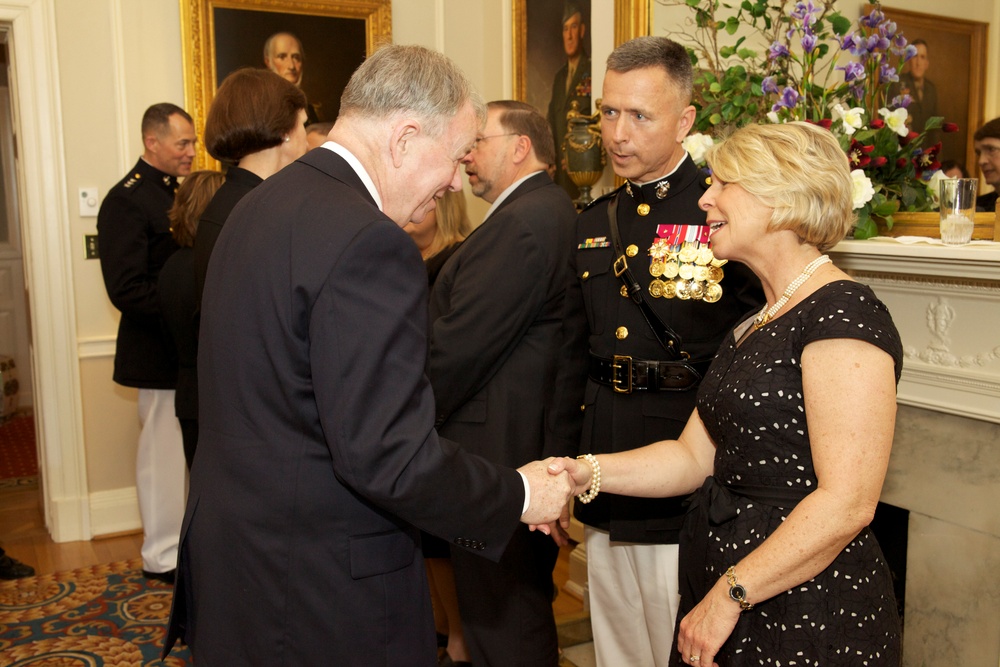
x=946, y=304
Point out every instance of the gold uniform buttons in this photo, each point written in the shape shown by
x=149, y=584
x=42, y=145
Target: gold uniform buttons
x=621, y=333
x=586, y=274
x=624, y=291
x=643, y=209
x=632, y=251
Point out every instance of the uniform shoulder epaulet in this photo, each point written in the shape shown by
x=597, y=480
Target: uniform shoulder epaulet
x=603, y=197
x=132, y=181
x=704, y=178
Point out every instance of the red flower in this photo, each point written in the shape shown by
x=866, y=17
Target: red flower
x=901, y=162
x=949, y=127
x=858, y=154
x=877, y=124
x=903, y=141
x=825, y=123
x=879, y=161
x=927, y=160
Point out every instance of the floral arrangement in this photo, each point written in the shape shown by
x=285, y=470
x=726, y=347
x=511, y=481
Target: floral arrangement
x=816, y=69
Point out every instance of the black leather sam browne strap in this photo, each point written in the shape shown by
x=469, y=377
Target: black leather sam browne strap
x=669, y=339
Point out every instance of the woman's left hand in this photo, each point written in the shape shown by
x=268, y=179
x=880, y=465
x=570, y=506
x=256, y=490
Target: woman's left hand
x=704, y=630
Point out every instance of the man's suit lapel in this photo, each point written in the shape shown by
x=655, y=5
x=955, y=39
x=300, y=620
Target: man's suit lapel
x=541, y=179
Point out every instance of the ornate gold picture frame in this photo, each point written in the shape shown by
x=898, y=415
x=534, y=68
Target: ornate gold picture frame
x=956, y=50
x=220, y=36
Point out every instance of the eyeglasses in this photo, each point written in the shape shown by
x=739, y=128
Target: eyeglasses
x=492, y=136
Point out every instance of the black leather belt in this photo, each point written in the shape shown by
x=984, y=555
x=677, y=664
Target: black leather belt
x=626, y=374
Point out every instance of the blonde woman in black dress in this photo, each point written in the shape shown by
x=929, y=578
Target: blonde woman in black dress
x=787, y=450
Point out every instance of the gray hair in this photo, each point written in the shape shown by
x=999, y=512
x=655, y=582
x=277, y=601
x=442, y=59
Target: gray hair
x=643, y=52
x=410, y=78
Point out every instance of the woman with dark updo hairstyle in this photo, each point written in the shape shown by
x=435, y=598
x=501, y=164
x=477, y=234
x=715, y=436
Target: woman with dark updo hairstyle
x=255, y=126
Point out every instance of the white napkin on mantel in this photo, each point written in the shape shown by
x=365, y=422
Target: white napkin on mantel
x=910, y=240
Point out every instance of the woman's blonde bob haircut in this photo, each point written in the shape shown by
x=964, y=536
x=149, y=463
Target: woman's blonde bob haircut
x=799, y=170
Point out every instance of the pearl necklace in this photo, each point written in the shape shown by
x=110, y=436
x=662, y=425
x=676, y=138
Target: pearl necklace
x=765, y=314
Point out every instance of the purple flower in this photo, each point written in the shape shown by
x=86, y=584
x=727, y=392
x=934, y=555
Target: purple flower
x=887, y=73
x=888, y=29
x=898, y=47
x=848, y=43
x=877, y=43
x=808, y=42
x=769, y=84
x=900, y=101
x=779, y=50
x=873, y=19
x=789, y=98
x=804, y=12
x=853, y=71
x=909, y=52
x=858, y=91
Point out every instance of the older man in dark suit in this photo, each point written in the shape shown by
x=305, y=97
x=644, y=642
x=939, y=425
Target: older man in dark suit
x=496, y=312
x=317, y=457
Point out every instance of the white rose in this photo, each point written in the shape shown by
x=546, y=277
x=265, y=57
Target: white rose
x=896, y=120
x=696, y=144
x=773, y=116
x=862, y=191
x=934, y=185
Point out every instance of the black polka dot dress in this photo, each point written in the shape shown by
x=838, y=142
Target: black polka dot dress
x=751, y=402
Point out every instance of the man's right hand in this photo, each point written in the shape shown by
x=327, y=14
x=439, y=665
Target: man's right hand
x=549, y=493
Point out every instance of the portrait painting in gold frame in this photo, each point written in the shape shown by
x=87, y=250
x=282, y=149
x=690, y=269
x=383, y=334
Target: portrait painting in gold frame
x=220, y=36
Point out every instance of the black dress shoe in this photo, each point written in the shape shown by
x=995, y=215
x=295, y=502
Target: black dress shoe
x=166, y=577
x=14, y=569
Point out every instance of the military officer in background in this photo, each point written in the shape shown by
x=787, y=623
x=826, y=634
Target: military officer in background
x=134, y=240
x=650, y=306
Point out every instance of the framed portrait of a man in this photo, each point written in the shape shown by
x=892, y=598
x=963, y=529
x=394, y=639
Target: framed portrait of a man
x=315, y=44
x=552, y=66
x=946, y=77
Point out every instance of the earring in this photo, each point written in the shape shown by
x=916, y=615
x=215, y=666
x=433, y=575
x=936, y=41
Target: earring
x=287, y=138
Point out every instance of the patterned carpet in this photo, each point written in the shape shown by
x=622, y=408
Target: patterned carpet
x=102, y=616
x=18, y=459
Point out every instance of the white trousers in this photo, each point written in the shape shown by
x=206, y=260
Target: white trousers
x=633, y=600
x=160, y=479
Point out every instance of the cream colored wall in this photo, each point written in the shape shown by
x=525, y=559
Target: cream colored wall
x=116, y=57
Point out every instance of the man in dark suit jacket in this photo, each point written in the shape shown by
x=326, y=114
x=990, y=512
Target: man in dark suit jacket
x=496, y=313
x=317, y=457
x=134, y=239
x=571, y=84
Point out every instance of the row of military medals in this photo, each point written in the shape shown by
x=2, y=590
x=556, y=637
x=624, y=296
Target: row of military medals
x=683, y=266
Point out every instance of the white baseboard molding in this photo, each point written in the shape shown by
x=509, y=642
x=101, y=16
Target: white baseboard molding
x=115, y=511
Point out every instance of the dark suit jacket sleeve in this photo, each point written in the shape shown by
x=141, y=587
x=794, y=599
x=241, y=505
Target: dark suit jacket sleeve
x=123, y=238
x=497, y=292
x=368, y=329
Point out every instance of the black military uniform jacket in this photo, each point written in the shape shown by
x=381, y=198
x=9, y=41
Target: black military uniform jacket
x=609, y=323
x=134, y=240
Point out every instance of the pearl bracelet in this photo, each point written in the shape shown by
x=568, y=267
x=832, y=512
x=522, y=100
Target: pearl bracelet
x=595, y=479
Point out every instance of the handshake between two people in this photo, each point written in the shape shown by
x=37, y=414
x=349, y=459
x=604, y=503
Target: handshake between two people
x=553, y=482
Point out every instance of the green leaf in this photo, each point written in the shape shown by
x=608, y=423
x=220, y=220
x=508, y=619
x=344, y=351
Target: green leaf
x=746, y=54
x=839, y=24
x=886, y=208
x=693, y=3
x=715, y=119
x=727, y=51
x=866, y=229
x=715, y=87
x=732, y=25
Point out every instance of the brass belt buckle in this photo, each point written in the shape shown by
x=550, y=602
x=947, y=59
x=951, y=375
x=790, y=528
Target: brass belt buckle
x=621, y=261
x=619, y=362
